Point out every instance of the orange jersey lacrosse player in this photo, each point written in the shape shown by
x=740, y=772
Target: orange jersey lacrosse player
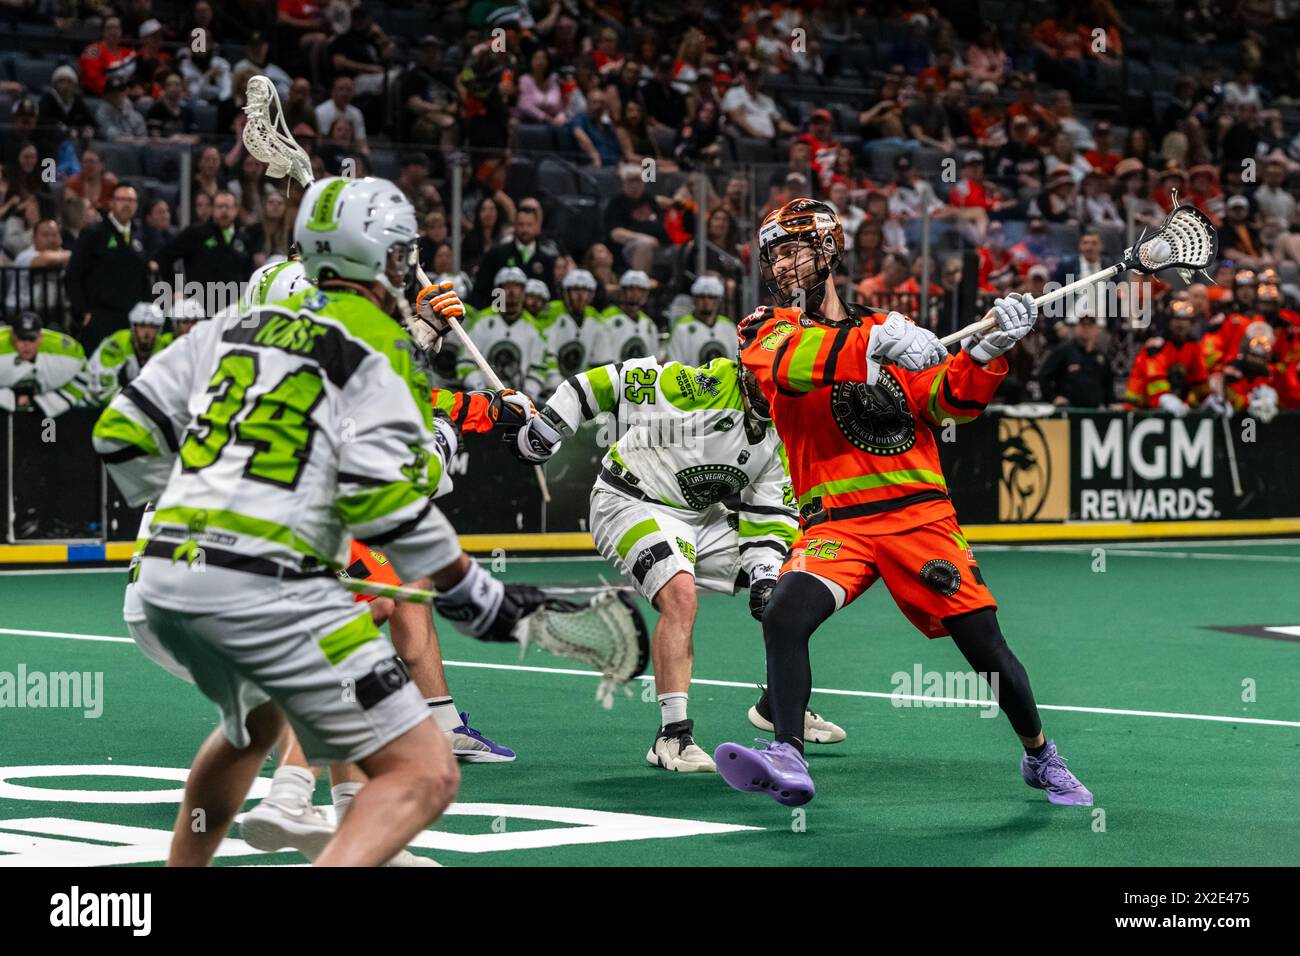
x=873, y=500
x=1169, y=372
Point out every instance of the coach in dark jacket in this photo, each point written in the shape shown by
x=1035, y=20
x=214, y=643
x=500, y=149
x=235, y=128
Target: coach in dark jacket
x=212, y=251
x=1076, y=372
x=528, y=249
x=107, y=272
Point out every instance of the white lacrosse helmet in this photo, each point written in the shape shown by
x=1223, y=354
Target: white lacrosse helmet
x=538, y=288
x=508, y=274
x=359, y=229
x=580, y=279
x=188, y=311
x=275, y=282
x=146, y=313
x=707, y=286
x=634, y=279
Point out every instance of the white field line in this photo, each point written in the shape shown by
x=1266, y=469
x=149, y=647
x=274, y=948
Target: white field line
x=747, y=685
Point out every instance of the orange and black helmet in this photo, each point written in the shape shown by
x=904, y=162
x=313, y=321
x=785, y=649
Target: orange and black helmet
x=811, y=223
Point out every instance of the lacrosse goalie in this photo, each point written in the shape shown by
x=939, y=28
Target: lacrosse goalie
x=693, y=496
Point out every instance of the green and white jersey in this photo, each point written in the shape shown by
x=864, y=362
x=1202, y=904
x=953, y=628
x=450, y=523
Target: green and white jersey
x=683, y=441
x=54, y=378
x=695, y=342
x=548, y=314
x=623, y=337
x=116, y=364
x=515, y=350
x=568, y=342
x=305, y=423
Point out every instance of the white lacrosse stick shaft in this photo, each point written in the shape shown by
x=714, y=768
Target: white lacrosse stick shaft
x=984, y=325
x=493, y=379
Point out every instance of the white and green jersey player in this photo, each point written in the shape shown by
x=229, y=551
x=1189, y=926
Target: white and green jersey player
x=694, y=495
x=120, y=357
x=509, y=339
x=308, y=423
x=626, y=332
x=702, y=335
x=573, y=333
x=41, y=367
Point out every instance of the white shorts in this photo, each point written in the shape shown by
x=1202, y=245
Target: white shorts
x=651, y=542
x=307, y=646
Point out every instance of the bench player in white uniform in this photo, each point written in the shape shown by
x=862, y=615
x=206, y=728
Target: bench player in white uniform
x=695, y=495
x=626, y=332
x=575, y=331
x=314, y=424
x=702, y=335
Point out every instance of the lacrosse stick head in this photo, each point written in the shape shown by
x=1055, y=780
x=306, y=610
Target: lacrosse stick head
x=1186, y=241
x=267, y=137
x=608, y=633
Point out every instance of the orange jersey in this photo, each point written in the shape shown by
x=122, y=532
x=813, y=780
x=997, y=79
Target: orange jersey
x=859, y=451
x=365, y=564
x=468, y=411
x=1174, y=368
x=1220, y=344
x=1286, y=380
x=1239, y=380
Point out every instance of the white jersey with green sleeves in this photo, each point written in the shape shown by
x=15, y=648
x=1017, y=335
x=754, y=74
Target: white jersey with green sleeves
x=569, y=342
x=307, y=423
x=693, y=342
x=55, y=378
x=623, y=337
x=115, y=364
x=683, y=442
x=516, y=351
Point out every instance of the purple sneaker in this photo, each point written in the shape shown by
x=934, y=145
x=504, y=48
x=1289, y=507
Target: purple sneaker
x=472, y=747
x=1048, y=772
x=777, y=768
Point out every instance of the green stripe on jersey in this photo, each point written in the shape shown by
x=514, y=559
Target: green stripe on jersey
x=635, y=534
x=337, y=645
x=879, y=480
x=602, y=389
x=114, y=426
x=371, y=504
x=198, y=519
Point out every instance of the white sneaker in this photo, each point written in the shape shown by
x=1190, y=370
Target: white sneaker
x=407, y=858
x=675, y=749
x=816, y=728
x=278, y=825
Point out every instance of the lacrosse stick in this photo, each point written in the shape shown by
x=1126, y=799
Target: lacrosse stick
x=603, y=629
x=1185, y=241
x=267, y=138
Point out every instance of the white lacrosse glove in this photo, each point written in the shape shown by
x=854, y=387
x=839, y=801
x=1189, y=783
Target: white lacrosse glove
x=433, y=307
x=537, y=440
x=901, y=341
x=1263, y=403
x=1171, y=403
x=1217, y=406
x=1016, y=315
x=446, y=436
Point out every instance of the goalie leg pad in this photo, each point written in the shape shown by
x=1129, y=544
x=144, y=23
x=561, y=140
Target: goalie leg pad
x=482, y=607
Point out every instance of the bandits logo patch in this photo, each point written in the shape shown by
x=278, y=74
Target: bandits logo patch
x=941, y=575
x=874, y=418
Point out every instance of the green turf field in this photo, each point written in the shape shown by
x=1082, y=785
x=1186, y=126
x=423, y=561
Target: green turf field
x=1126, y=664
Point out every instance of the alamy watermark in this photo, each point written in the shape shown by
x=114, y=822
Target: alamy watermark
x=75, y=690
x=922, y=688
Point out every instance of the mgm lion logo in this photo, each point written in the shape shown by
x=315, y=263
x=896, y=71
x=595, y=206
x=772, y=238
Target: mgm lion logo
x=704, y=485
x=1025, y=481
x=874, y=418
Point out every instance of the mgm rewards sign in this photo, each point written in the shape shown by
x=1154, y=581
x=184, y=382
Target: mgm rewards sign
x=1123, y=466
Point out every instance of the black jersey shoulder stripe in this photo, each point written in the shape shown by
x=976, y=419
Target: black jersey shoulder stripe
x=776, y=368
x=329, y=346
x=952, y=401
x=377, y=541
x=154, y=413
x=833, y=356
x=583, y=404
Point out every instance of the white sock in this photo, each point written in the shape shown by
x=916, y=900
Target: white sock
x=444, y=713
x=342, y=793
x=292, y=785
x=672, y=708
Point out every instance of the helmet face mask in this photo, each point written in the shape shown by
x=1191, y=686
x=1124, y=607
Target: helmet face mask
x=800, y=245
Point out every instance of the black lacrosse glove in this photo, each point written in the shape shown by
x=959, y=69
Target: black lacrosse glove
x=760, y=593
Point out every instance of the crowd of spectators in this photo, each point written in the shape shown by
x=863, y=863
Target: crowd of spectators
x=1028, y=141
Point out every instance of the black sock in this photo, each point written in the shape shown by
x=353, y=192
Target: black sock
x=1036, y=751
x=763, y=707
x=979, y=638
x=798, y=606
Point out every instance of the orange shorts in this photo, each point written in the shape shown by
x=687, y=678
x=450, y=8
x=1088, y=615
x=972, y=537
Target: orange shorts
x=930, y=571
x=367, y=565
